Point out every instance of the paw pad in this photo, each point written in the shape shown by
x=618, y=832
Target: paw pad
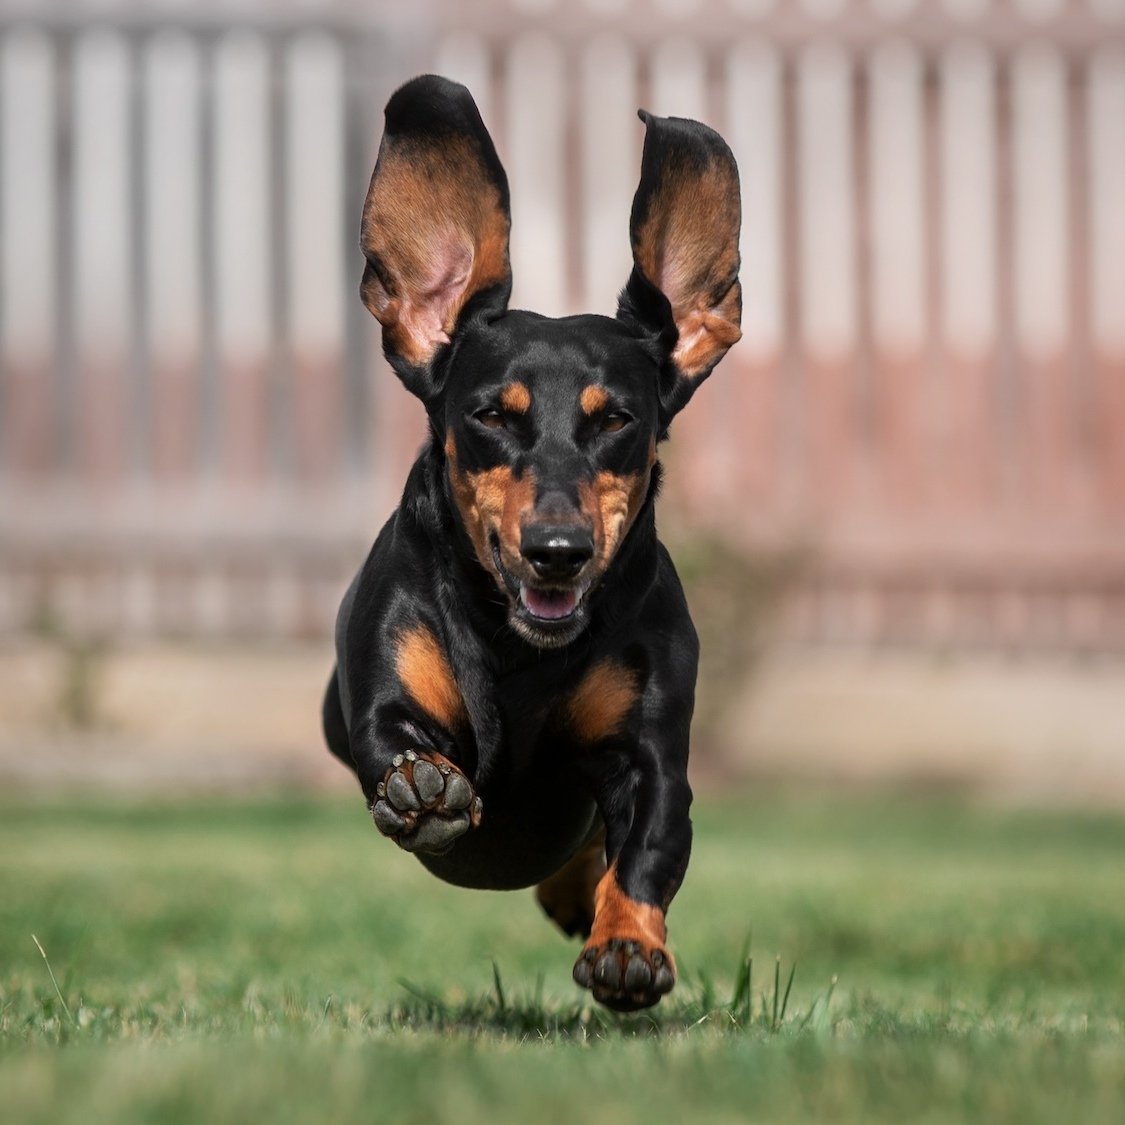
x=424, y=805
x=625, y=975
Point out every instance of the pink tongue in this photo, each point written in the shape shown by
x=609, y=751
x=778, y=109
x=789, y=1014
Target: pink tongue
x=550, y=604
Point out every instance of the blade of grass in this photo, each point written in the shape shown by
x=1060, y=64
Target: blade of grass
x=776, y=991
x=823, y=1013
x=788, y=986
x=742, y=999
x=500, y=998
x=58, y=991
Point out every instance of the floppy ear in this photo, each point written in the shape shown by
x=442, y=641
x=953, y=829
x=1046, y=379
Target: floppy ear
x=684, y=232
x=435, y=225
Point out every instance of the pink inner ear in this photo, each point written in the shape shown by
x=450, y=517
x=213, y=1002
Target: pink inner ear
x=433, y=299
x=675, y=279
x=705, y=333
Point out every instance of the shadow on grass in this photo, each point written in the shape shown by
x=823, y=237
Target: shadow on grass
x=495, y=1013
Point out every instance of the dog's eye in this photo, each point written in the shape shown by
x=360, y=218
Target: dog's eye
x=491, y=419
x=618, y=420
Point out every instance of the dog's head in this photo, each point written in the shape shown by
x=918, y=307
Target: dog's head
x=549, y=426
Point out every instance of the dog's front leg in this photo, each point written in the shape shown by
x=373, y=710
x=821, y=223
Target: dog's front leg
x=417, y=796
x=645, y=800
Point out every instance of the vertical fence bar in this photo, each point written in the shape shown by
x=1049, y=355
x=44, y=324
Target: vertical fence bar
x=535, y=111
x=609, y=140
x=242, y=244
x=465, y=58
x=679, y=80
x=173, y=236
x=314, y=317
x=1041, y=268
x=1079, y=351
x=1105, y=115
x=897, y=216
x=753, y=116
x=967, y=290
x=1007, y=390
x=361, y=347
x=827, y=264
x=28, y=281
x=102, y=258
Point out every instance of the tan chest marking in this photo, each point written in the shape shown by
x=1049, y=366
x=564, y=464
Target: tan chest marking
x=602, y=701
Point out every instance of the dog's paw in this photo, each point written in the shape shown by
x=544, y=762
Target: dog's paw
x=625, y=975
x=425, y=803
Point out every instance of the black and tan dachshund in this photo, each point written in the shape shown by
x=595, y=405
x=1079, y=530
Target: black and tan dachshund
x=516, y=663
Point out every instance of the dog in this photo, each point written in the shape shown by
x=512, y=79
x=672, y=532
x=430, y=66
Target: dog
x=516, y=663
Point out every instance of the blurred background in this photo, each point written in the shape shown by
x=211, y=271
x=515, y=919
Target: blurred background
x=899, y=505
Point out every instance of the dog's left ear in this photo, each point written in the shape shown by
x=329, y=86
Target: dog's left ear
x=435, y=226
x=684, y=232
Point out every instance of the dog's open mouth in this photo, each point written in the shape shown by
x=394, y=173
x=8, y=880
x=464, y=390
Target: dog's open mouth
x=550, y=604
x=545, y=616
x=548, y=617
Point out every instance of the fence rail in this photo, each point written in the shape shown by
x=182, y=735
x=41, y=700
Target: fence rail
x=197, y=432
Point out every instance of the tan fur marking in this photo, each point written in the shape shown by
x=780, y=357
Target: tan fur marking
x=516, y=398
x=616, y=915
x=424, y=672
x=568, y=895
x=612, y=503
x=593, y=399
x=602, y=700
x=494, y=500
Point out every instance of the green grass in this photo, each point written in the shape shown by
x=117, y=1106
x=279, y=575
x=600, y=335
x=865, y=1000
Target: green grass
x=274, y=960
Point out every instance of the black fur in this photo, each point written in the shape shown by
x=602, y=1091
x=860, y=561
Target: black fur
x=544, y=794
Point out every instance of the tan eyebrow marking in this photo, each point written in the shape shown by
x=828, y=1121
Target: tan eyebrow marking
x=592, y=399
x=516, y=398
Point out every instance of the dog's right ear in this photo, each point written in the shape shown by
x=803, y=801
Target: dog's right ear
x=435, y=225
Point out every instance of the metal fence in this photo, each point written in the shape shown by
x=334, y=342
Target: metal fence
x=197, y=433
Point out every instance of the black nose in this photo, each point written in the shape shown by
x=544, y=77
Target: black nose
x=556, y=553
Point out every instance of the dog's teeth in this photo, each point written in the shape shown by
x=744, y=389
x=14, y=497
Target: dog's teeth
x=380, y=790
x=397, y=760
x=410, y=756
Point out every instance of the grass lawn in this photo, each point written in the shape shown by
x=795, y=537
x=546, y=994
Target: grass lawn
x=273, y=960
